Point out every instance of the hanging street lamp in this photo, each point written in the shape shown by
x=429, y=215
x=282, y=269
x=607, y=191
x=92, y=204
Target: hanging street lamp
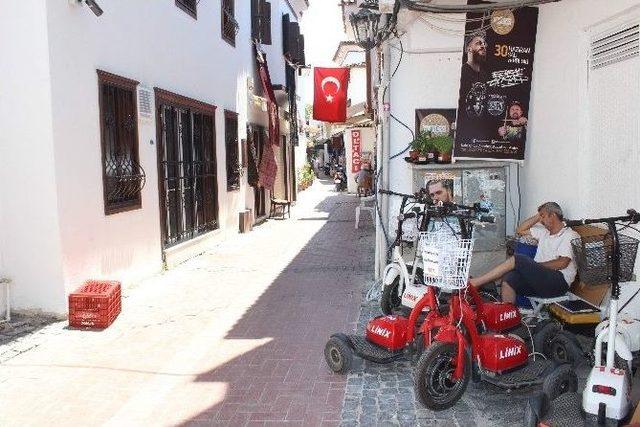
x=366, y=24
x=365, y=28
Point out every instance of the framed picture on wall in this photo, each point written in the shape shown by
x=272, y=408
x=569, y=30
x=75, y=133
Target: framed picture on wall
x=436, y=121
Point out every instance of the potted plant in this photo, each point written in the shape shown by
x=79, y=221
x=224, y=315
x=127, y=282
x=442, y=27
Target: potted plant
x=444, y=145
x=429, y=149
x=420, y=147
x=416, y=147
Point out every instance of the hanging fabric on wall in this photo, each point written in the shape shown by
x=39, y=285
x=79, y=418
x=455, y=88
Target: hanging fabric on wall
x=272, y=106
x=268, y=167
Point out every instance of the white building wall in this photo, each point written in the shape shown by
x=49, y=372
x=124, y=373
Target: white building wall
x=56, y=235
x=426, y=78
x=560, y=164
x=585, y=162
x=159, y=45
x=30, y=247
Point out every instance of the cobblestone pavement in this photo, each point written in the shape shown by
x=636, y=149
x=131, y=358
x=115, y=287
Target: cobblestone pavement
x=25, y=332
x=383, y=395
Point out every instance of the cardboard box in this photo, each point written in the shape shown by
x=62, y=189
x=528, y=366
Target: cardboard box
x=594, y=294
x=589, y=230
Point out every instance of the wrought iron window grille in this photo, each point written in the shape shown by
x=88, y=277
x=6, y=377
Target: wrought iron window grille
x=125, y=179
x=189, y=6
x=230, y=26
x=234, y=168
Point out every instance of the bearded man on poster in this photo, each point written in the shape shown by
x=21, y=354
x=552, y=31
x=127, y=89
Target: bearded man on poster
x=476, y=49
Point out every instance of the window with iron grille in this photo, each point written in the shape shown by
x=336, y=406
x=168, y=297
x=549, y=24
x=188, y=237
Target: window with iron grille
x=187, y=167
x=189, y=6
x=229, y=23
x=261, y=21
x=122, y=176
x=292, y=41
x=231, y=146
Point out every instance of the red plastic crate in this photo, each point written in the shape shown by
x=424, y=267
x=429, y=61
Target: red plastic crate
x=95, y=304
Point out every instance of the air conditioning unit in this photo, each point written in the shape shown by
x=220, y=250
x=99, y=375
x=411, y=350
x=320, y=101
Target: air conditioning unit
x=144, y=102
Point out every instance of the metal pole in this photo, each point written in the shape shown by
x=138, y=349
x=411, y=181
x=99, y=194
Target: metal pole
x=383, y=106
x=615, y=294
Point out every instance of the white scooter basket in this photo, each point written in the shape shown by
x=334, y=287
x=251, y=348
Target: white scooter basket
x=446, y=260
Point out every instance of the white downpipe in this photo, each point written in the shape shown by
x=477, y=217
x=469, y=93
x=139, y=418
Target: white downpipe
x=379, y=237
x=383, y=156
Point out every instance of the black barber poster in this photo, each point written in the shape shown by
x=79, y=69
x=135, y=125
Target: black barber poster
x=493, y=105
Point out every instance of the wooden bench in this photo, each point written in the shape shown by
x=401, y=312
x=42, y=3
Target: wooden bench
x=279, y=205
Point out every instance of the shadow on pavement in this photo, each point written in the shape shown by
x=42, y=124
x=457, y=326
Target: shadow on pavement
x=317, y=294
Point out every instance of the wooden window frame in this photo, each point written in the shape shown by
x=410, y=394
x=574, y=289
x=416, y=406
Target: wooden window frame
x=193, y=13
x=231, y=115
x=223, y=3
x=171, y=99
x=123, y=83
x=261, y=21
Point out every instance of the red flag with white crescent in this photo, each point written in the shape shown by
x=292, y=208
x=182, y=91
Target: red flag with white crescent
x=330, y=94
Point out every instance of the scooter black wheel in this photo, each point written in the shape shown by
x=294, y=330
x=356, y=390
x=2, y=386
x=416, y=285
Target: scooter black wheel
x=561, y=380
x=433, y=382
x=564, y=348
x=391, y=299
x=338, y=355
x=545, y=332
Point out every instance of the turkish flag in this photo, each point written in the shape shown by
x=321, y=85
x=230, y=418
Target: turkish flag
x=330, y=94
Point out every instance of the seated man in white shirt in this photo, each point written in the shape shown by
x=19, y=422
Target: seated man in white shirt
x=552, y=270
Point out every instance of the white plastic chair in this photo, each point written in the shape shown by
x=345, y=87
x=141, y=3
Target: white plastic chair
x=538, y=303
x=363, y=206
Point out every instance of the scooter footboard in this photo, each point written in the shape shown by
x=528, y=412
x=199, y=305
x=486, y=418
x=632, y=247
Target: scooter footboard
x=372, y=352
x=532, y=374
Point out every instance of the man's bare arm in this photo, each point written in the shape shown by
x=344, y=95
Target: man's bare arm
x=525, y=226
x=558, y=263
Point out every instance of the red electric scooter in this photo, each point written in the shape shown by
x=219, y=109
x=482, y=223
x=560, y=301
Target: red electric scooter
x=454, y=343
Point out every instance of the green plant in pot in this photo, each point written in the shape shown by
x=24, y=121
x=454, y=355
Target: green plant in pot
x=416, y=147
x=443, y=145
x=421, y=147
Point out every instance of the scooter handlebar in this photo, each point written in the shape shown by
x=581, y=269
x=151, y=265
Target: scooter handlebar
x=631, y=216
x=394, y=193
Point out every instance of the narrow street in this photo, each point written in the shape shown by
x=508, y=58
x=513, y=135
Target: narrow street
x=234, y=336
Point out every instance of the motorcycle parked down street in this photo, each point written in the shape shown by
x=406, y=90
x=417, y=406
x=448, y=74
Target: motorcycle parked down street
x=340, y=179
